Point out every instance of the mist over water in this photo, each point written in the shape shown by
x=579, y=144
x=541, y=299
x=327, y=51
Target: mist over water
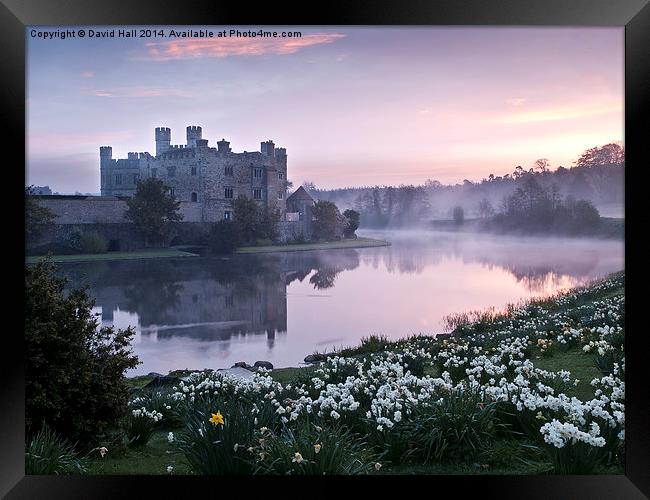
x=212, y=312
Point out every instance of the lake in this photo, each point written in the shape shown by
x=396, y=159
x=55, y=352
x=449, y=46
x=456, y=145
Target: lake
x=195, y=313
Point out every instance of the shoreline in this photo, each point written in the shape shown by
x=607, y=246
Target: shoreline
x=360, y=242
x=163, y=253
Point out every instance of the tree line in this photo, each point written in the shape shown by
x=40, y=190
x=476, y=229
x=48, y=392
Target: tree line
x=596, y=176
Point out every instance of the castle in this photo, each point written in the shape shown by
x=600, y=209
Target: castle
x=205, y=179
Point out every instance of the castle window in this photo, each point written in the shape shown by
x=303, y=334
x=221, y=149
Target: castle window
x=229, y=300
x=171, y=171
x=281, y=175
x=228, y=170
x=154, y=172
x=228, y=193
x=257, y=173
x=257, y=194
x=193, y=170
x=227, y=215
x=172, y=192
x=280, y=195
x=194, y=197
x=118, y=178
x=136, y=178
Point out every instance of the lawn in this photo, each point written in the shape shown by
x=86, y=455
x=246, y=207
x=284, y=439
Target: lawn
x=329, y=245
x=138, y=254
x=150, y=459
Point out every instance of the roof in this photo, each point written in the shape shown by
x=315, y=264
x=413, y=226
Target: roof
x=300, y=194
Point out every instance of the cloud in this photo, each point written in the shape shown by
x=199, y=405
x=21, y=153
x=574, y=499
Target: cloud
x=516, y=101
x=195, y=48
x=138, y=92
x=560, y=113
x=88, y=74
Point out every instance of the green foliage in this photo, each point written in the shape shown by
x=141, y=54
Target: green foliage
x=374, y=343
x=138, y=429
x=152, y=209
x=353, y=218
x=254, y=222
x=48, y=453
x=214, y=448
x=576, y=458
x=534, y=208
x=270, y=225
x=326, y=219
x=609, y=154
x=224, y=237
x=74, y=371
x=311, y=450
x=457, y=428
x=92, y=243
x=37, y=217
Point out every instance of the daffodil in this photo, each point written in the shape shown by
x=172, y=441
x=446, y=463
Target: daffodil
x=317, y=448
x=217, y=419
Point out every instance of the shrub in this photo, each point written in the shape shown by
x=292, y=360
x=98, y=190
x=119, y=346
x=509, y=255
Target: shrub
x=48, y=453
x=139, y=425
x=352, y=218
x=224, y=237
x=214, y=445
x=92, y=243
x=74, y=370
x=458, y=427
x=571, y=450
x=326, y=219
x=311, y=450
x=373, y=343
x=459, y=215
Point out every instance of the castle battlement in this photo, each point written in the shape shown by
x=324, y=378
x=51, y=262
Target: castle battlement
x=199, y=174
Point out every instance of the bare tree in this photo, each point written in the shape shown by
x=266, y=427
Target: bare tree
x=542, y=165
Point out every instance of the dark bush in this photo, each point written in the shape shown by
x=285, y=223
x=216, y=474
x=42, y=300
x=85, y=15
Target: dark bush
x=224, y=237
x=459, y=215
x=74, y=371
x=92, y=243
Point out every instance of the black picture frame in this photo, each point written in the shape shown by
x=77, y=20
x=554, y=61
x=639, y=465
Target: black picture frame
x=634, y=15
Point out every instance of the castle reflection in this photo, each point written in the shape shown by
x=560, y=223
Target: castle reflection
x=207, y=298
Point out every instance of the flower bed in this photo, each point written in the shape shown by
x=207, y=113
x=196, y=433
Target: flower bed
x=422, y=400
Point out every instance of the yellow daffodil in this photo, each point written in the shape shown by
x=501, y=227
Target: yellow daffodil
x=217, y=419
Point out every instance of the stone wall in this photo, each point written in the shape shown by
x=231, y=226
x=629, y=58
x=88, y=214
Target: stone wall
x=105, y=215
x=102, y=209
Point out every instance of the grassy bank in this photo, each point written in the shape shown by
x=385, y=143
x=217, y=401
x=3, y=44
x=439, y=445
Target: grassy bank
x=329, y=245
x=538, y=389
x=609, y=227
x=157, y=253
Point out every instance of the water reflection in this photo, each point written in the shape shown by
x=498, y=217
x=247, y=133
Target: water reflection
x=212, y=312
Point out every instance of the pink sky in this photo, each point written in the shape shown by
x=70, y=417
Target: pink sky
x=353, y=106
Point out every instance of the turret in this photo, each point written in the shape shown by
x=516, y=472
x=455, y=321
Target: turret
x=163, y=139
x=223, y=146
x=268, y=148
x=193, y=134
x=105, y=156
